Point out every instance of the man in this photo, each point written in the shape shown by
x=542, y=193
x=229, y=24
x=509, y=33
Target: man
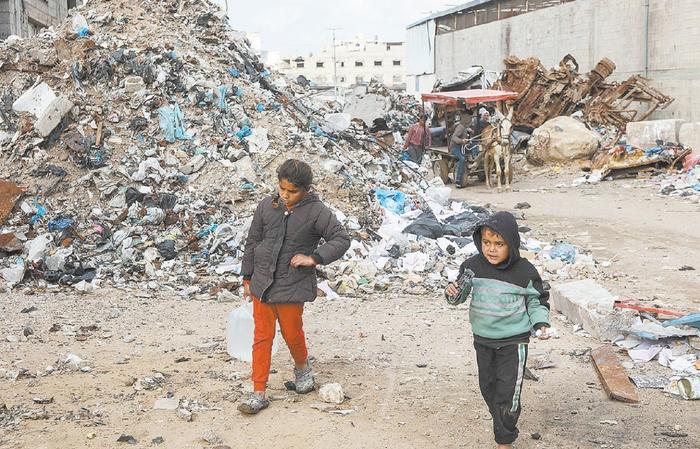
x=416, y=141
x=460, y=137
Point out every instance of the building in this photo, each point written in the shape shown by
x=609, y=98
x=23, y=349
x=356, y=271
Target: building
x=655, y=38
x=25, y=18
x=357, y=62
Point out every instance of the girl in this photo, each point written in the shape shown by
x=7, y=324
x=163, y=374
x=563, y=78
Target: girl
x=281, y=253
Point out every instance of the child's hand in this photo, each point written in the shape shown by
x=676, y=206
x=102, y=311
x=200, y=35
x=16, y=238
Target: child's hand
x=542, y=333
x=246, y=292
x=451, y=289
x=301, y=260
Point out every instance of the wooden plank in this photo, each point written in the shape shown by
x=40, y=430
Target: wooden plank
x=613, y=376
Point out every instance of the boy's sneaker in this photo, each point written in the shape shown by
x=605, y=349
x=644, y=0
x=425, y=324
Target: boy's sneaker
x=253, y=404
x=304, y=379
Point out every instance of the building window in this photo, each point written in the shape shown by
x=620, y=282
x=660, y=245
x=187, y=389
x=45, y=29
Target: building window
x=398, y=79
x=358, y=64
x=342, y=63
x=319, y=65
x=342, y=79
x=377, y=63
x=397, y=62
x=300, y=65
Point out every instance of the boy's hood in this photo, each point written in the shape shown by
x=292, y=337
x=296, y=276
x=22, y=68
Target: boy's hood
x=503, y=223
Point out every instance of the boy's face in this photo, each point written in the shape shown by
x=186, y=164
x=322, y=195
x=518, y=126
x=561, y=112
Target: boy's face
x=290, y=193
x=494, y=246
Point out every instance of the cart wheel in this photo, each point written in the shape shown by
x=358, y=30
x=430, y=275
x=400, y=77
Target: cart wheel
x=441, y=169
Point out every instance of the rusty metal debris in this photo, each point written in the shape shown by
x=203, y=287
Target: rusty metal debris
x=545, y=94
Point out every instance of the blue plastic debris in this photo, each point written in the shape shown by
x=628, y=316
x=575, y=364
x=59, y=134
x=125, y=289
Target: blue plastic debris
x=60, y=224
x=653, y=151
x=223, y=90
x=172, y=55
x=260, y=107
x=40, y=212
x=248, y=186
x=172, y=123
x=391, y=200
x=239, y=91
x=82, y=32
x=245, y=131
x=208, y=230
x=233, y=72
x=692, y=319
x=564, y=252
x=265, y=73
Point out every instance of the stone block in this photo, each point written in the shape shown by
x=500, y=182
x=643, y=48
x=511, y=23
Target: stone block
x=52, y=116
x=689, y=136
x=35, y=100
x=645, y=134
x=133, y=84
x=586, y=303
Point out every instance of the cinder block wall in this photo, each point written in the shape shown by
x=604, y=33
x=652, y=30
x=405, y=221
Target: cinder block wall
x=591, y=30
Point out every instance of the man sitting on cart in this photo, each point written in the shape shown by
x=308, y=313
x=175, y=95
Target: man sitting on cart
x=458, y=148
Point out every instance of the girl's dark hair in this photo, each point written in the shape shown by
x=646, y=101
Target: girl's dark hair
x=297, y=172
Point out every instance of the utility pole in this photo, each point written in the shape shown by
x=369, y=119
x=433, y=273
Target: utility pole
x=335, y=65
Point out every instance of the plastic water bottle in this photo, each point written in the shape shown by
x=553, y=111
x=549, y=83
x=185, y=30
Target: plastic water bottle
x=239, y=333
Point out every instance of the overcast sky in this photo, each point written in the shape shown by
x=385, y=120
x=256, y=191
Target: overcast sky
x=294, y=27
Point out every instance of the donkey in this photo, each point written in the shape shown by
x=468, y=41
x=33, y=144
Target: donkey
x=497, y=149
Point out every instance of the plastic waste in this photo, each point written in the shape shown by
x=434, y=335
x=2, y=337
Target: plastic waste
x=426, y=225
x=80, y=25
x=40, y=212
x=464, y=223
x=689, y=388
x=223, y=90
x=172, y=123
x=239, y=333
x=60, y=224
x=244, y=132
x=564, y=252
x=260, y=107
x=234, y=72
x=391, y=200
x=337, y=122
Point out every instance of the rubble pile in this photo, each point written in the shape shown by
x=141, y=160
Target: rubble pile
x=382, y=109
x=136, y=158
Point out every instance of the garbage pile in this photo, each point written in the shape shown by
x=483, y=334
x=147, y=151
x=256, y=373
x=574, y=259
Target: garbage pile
x=548, y=93
x=382, y=109
x=135, y=159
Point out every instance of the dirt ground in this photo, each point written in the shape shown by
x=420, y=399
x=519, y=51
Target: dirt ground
x=406, y=362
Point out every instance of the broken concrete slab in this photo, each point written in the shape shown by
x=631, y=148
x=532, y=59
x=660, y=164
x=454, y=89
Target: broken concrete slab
x=645, y=134
x=689, y=135
x=52, y=116
x=133, y=84
x=613, y=376
x=9, y=243
x=586, y=303
x=35, y=100
x=9, y=194
x=166, y=404
x=653, y=331
x=194, y=165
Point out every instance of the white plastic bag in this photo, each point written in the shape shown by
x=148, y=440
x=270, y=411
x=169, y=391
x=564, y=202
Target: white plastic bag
x=239, y=333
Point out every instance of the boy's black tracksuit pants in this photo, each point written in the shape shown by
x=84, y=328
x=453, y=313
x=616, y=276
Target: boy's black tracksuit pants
x=501, y=371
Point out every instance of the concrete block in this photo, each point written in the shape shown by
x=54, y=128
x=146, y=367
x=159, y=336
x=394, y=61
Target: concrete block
x=35, y=100
x=689, y=136
x=645, y=134
x=133, y=84
x=52, y=116
x=586, y=303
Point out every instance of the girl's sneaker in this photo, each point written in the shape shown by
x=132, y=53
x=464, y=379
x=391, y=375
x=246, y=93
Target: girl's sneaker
x=304, y=379
x=253, y=404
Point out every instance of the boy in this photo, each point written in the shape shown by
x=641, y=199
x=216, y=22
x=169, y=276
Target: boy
x=508, y=303
x=279, y=271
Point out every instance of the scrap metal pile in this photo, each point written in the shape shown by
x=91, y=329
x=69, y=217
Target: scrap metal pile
x=549, y=93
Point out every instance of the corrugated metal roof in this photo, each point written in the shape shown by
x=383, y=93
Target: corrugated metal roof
x=447, y=12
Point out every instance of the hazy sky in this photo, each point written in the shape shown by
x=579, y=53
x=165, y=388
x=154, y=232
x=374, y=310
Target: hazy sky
x=299, y=26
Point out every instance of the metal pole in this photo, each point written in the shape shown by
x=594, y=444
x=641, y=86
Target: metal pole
x=646, y=40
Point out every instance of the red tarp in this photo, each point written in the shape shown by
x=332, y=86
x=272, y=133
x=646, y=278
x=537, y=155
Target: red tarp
x=471, y=96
